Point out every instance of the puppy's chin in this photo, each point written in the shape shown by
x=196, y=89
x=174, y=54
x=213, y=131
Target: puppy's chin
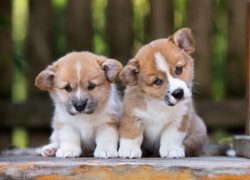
x=170, y=101
x=74, y=112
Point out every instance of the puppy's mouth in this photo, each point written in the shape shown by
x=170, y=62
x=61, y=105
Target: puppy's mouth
x=171, y=99
x=85, y=107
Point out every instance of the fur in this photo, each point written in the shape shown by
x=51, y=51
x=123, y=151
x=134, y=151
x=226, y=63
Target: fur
x=158, y=115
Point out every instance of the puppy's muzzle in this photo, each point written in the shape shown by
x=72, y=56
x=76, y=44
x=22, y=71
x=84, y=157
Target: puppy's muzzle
x=80, y=105
x=173, y=97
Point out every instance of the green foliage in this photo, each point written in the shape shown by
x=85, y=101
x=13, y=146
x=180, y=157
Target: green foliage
x=179, y=13
x=59, y=4
x=141, y=9
x=19, y=137
x=19, y=33
x=59, y=28
x=220, y=136
x=219, y=41
x=99, y=26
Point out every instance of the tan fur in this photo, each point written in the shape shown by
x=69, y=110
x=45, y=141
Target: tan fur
x=113, y=122
x=130, y=126
x=139, y=75
x=184, y=124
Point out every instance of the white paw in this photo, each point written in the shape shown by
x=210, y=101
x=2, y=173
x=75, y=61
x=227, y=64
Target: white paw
x=105, y=153
x=130, y=152
x=177, y=152
x=68, y=152
x=49, y=150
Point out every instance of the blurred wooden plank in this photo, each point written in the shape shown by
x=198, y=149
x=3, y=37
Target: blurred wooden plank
x=226, y=114
x=79, y=25
x=199, y=17
x=5, y=138
x=119, y=27
x=6, y=53
x=237, y=40
x=34, y=167
x=38, y=136
x=34, y=113
x=38, y=113
x=161, y=18
x=39, y=40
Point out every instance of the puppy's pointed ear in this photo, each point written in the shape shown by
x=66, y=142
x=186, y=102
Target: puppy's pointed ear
x=129, y=73
x=111, y=68
x=184, y=39
x=44, y=79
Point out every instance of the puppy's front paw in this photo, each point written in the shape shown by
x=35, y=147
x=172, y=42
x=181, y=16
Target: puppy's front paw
x=68, y=152
x=176, y=152
x=130, y=152
x=105, y=153
x=49, y=150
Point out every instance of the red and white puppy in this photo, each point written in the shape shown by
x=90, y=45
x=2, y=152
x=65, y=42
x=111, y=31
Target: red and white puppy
x=158, y=112
x=87, y=107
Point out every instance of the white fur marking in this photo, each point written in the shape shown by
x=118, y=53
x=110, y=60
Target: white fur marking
x=162, y=65
x=161, y=62
x=78, y=74
x=130, y=148
x=171, y=142
x=78, y=93
x=106, y=147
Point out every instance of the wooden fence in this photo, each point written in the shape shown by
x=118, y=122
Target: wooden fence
x=219, y=27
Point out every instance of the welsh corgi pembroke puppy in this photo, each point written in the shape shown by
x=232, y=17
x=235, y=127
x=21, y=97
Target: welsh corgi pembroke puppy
x=158, y=115
x=87, y=106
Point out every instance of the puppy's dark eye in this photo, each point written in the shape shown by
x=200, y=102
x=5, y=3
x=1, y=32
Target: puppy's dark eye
x=68, y=88
x=158, y=82
x=91, y=86
x=178, y=70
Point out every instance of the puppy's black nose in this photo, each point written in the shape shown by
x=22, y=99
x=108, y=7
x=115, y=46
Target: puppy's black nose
x=80, y=105
x=178, y=93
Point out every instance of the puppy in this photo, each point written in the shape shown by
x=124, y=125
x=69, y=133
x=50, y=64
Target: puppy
x=158, y=112
x=87, y=106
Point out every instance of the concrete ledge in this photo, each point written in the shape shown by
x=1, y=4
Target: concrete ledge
x=26, y=167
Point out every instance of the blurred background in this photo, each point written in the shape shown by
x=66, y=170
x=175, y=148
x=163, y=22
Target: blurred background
x=34, y=33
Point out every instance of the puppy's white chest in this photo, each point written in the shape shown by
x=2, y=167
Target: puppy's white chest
x=157, y=113
x=157, y=117
x=86, y=130
x=83, y=124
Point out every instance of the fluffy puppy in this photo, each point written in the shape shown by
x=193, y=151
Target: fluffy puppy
x=87, y=106
x=158, y=112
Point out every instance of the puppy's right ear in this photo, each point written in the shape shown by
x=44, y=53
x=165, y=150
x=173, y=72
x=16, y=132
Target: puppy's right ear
x=129, y=73
x=44, y=79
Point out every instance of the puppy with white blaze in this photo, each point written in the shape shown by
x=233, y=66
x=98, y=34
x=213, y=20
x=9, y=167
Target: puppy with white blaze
x=87, y=106
x=158, y=116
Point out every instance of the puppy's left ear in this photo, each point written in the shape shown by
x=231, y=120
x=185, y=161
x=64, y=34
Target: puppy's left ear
x=184, y=39
x=111, y=68
x=45, y=79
